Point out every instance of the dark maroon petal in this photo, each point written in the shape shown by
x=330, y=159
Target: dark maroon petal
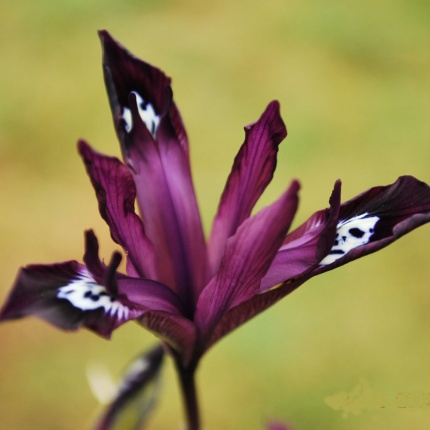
x=91, y=256
x=252, y=171
x=304, y=248
x=67, y=296
x=377, y=218
x=116, y=195
x=155, y=150
x=137, y=393
x=247, y=257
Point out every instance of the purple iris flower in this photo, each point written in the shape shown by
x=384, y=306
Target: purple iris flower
x=187, y=291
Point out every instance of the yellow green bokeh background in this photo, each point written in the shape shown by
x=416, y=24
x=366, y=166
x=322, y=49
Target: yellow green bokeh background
x=353, y=79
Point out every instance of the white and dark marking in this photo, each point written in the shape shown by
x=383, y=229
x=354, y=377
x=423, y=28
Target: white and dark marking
x=147, y=114
x=350, y=234
x=85, y=294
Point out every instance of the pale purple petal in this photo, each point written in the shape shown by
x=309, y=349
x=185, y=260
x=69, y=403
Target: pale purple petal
x=304, y=248
x=252, y=171
x=247, y=257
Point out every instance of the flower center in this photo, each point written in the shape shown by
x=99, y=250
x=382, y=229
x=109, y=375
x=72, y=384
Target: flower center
x=147, y=114
x=350, y=234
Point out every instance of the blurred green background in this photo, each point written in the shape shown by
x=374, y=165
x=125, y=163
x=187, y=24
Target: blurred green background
x=354, y=85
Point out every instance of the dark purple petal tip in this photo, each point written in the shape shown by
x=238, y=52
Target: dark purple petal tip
x=252, y=171
x=126, y=74
x=376, y=218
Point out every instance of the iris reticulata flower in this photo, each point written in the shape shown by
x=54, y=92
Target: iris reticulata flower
x=188, y=291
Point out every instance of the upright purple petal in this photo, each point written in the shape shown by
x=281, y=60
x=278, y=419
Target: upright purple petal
x=155, y=149
x=247, y=257
x=377, y=218
x=252, y=171
x=116, y=194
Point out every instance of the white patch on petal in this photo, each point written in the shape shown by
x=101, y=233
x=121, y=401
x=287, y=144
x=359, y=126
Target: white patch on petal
x=85, y=294
x=147, y=114
x=350, y=234
x=128, y=120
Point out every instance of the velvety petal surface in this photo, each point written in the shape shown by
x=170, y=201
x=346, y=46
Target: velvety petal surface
x=155, y=149
x=252, y=171
x=247, y=257
x=304, y=248
x=67, y=296
x=116, y=194
x=137, y=393
x=377, y=218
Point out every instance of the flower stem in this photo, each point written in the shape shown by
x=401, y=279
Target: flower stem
x=189, y=397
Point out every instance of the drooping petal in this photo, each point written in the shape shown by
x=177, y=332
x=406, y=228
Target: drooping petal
x=304, y=248
x=116, y=194
x=377, y=218
x=137, y=393
x=67, y=296
x=155, y=149
x=252, y=171
x=247, y=257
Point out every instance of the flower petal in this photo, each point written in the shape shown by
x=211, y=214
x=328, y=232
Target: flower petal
x=247, y=257
x=67, y=296
x=178, y=332
x=116, y=194
x=155, y=149
x=252, y=171
x=246, y=310
x=137, y=393
x=304, y=248
x=399, y=207
x=377, y=218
